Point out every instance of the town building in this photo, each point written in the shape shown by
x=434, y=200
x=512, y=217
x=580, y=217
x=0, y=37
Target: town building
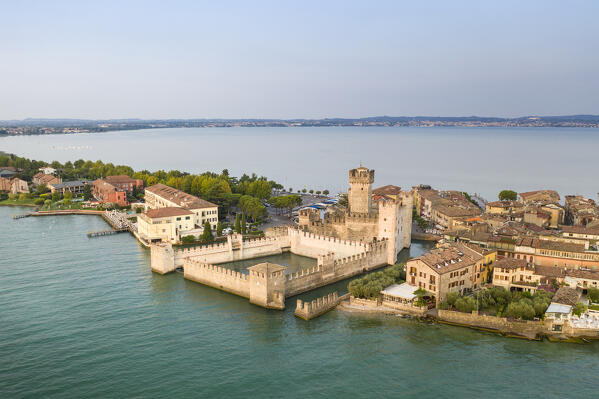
x=368, y=217
x=581, y=211
x=503, y=207
x=75, y=186
x=125, y=183
x=108, y=193
x=42, y=178
x=5, y=185
x=540, y=196
x=588, y=234
x=47, y=170
x=162, y=196
x=8, y=172
x=18, y=186
x=168, y=224
x=453, y=267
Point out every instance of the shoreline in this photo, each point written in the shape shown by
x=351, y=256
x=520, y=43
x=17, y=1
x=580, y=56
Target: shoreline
x=373, y=309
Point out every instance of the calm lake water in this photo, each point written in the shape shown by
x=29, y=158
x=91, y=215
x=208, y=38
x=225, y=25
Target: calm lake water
x=477, y=160
x=87, y=318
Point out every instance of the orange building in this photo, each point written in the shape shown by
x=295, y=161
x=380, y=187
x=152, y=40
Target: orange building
x=108, y=193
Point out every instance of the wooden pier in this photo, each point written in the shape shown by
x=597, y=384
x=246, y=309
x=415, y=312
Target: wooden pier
x=100, y=233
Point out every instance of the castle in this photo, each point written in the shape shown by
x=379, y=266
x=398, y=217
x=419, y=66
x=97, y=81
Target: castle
x=365, y=237
x=371, y=215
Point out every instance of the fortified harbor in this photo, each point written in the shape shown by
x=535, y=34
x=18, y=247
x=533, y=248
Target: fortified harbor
x=368, y=236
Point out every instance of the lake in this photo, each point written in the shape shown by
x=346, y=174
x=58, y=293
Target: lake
x=476, y=160
x=85, y=317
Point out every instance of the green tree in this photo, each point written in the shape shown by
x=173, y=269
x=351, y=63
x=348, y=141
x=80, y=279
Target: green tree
x=579, y=309
x=508, y=195
x=207, y=236
x=42, y=189
x=243, y=224
x=237, y=224
x=318, y=192
x=325, y=192
x=87, y=192
x=465, y=304
x=56, y=196
x=219, y=228
x=420, y=293
x=311, y=191
x=451, y=298
x=304, y=190
x=593, y=294
x=68, y=198
x=188, y=239
x=343, y=202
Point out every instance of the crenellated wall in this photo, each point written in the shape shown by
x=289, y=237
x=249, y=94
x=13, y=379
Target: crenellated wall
x=236, y=248
x=217, y=277
x=317, y=307
x=267, y=284
x=311, y=245
x=330, y=269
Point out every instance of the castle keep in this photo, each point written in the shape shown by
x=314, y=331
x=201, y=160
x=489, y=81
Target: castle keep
x=366, y=236
x=385, y=213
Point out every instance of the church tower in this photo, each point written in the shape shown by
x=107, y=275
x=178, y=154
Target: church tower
x=359, y=196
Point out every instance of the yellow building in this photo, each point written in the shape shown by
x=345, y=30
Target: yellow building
x=168, y=224
x=162, y=196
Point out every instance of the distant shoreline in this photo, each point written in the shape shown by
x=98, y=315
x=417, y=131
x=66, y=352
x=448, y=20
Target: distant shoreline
x=66, y=126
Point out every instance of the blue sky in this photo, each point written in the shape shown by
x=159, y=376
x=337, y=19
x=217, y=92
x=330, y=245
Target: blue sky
x=311, y=59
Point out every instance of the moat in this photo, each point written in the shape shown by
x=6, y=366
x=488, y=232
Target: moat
x=86, y=317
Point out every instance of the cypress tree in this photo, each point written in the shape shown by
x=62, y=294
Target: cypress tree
x=243, y=224
x=237, y=225
x=219, y=229
x=207, y=236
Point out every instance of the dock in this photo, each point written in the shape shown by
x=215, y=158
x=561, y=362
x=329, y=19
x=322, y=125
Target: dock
x=100, y=233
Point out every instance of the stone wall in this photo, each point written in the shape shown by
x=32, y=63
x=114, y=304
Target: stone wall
x=236, y=248
x=311, y=245
x=526, y=328
x=330, y=270
x=217, y=277
x=317, y=307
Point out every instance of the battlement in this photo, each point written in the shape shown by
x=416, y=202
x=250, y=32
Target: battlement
x=257, y=242
x=202, y=248
x=304, y=273
x=357, y=217
x=207, y=267
x=306, y=234
x=309, y=310
x=361, y=175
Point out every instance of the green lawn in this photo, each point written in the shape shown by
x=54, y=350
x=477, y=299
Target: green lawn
x=17, y=202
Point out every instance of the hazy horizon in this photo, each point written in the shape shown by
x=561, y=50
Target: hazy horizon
x=309, y=60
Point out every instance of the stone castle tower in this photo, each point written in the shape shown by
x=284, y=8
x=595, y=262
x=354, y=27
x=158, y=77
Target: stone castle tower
x=359, y=195
x=386, y=216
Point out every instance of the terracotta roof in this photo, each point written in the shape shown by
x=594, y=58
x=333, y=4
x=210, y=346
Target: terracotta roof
x=566, y=296
x=119, y=179
x=580, y=230
x=445, y=260
x=551, y=193
x=549, y=271
x=511, y=263
x=387, y=190
x=167, y=212
x=588, y=274
x=179, y=197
